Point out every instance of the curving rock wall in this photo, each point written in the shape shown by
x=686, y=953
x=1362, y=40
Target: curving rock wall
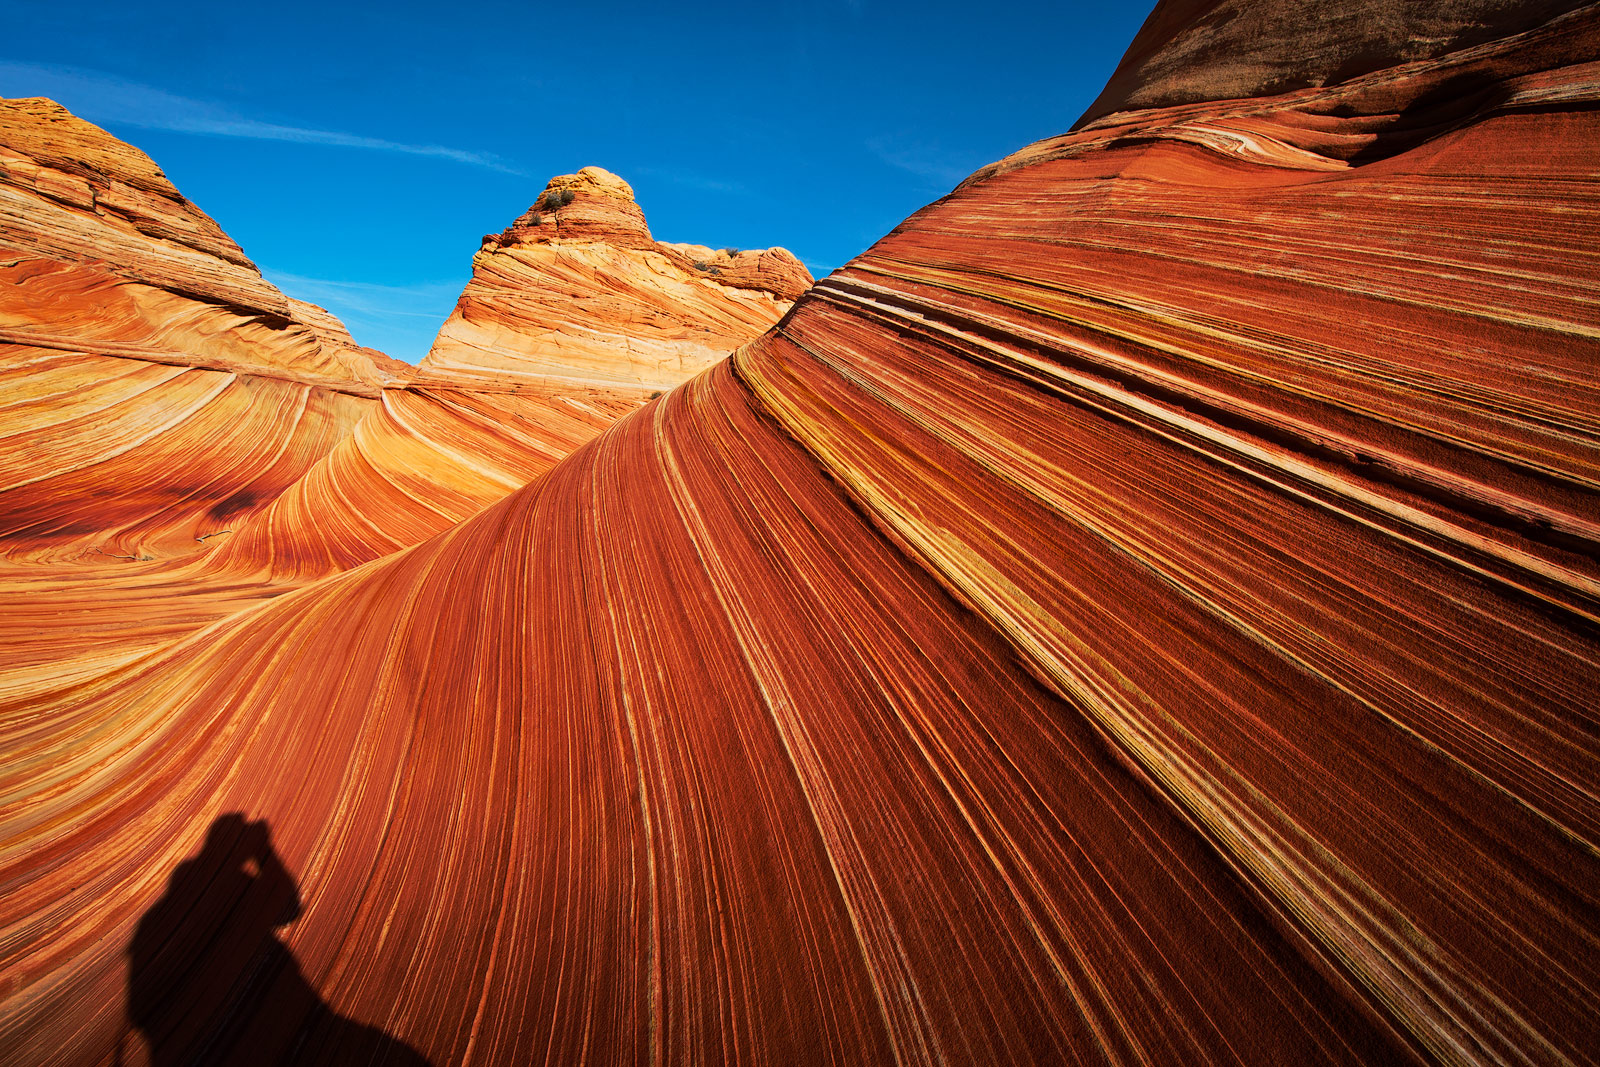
x=1144, y=609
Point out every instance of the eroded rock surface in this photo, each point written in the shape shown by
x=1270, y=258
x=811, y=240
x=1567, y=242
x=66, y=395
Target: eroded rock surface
x=1146, y=609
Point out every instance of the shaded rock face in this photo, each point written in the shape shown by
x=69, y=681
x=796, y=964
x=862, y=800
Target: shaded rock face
x=1146, y=609
x=1190, y=51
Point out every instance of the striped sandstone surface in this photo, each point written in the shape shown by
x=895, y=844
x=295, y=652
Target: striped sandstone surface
x=1145, y=609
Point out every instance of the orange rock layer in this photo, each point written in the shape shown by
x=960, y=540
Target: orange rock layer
x=99, y=252
x=1146, y=609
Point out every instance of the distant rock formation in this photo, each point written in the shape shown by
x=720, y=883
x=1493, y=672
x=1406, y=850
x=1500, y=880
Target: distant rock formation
x=574, y=316
x=576, y=292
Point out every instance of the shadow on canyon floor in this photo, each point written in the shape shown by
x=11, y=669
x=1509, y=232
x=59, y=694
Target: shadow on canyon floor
x=209, y=982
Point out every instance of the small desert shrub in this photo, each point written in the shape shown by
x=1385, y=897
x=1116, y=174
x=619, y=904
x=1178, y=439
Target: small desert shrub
x=535, y=219
x=701, y=264
x=557, y=198
x=730, y=252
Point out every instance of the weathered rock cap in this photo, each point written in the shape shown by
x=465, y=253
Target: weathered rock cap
x=591, y=205
x=594, y=205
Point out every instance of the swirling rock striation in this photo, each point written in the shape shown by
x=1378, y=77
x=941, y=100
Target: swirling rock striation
x=1145, y=609
x=156, y=389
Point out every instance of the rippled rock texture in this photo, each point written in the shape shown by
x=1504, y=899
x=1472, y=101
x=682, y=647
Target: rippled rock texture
x=161, y=393
x=1145, y=609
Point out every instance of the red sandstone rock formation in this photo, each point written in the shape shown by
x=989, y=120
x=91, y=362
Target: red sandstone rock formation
x=125, y=297
x=100, y=252
x=1145, y=609
x=574, y=316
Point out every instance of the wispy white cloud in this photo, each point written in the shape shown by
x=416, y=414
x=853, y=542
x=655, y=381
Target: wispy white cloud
x=818, y=270
x=927, y=161
x=417, y=299
x=106, y=99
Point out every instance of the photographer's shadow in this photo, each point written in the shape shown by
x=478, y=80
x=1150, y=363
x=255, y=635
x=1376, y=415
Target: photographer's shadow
x=210, y=983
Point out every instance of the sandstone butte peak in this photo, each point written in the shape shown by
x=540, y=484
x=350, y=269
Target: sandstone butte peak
x=591, y=205
x=1143, y=610
x=577, y=291
x=596, y=205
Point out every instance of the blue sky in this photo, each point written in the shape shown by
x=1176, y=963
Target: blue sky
x=357, y=152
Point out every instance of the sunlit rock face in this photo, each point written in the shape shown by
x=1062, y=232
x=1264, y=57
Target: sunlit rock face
x=574, y=316
x=577, y=293
x=1145, y=609
x=98, y=248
